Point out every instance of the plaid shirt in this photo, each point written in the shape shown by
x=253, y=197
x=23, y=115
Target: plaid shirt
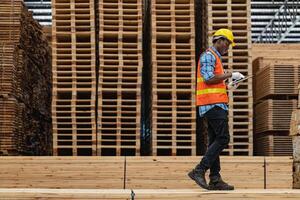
x=208, y=62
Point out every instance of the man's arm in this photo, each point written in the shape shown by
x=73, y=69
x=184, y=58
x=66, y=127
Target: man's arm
x=208, y=62
x=218, y=78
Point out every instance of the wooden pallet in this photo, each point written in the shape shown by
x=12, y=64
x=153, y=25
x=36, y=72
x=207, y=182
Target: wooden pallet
x=235, y=15
x=74, y=123
x=276, y=77
x=173, y=78
x=74, y=78
x=272, y=145
x=274, y=115
x=120, y=78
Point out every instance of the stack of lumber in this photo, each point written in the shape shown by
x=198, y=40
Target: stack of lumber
x=277, y=75
x=172, y=53
x=25, y=83
x=295, y=134
x=139, y=172
x=158, y=194
x=74, y=77
x=274, y=115
x=275, y=50
x=273, y=145
x=235, y=15
x=120, y=77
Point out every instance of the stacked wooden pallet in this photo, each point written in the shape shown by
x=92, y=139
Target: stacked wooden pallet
x=276, y=90
x=235, y=15
x=25, y=83
x=74, y=77
x=120, y=77
x=173, y=77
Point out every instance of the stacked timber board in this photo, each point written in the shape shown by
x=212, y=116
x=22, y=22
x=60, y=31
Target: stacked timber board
x=161, y=194
x=274, y=115
x=273, y=145
x=235, y=15
x=139, y=172
x=25, y=83
x=295, y=136
x=120, y=77
x=74, y=77
x=276, y=77
x=172, y=44
x=276, y=91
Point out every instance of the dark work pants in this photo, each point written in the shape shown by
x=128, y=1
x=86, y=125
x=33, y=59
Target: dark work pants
x=218, y=139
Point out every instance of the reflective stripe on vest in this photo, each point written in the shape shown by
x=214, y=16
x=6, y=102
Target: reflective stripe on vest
x=211, y=91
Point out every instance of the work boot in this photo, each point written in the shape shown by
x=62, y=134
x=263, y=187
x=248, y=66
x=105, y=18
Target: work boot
x=199, y=177
x=220, y=185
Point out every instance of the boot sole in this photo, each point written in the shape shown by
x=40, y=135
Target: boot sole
x=190, y=174
x=209, y=188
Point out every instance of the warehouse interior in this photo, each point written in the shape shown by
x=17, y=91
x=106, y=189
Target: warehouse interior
x=98, y=98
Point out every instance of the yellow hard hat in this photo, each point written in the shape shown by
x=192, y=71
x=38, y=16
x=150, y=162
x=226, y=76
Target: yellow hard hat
x=225, y=33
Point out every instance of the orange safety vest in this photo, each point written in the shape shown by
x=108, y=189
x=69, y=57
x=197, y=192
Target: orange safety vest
x=211, y=93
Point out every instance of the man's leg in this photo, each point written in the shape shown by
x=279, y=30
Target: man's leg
x=215, y=167
x=218, y=134
x=217, y=119
x=218, y=127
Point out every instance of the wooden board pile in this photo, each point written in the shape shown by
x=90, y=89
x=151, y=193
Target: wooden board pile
x=25, y=83
x=295, y=134
x=135, y=172
x=276, y=92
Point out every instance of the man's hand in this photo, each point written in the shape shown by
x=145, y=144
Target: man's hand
x=232, y=86
x=237, y=76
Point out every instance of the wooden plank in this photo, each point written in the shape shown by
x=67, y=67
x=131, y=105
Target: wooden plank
x=279, y=173
x=62, y=172
x=193, y=194
x=171, y=172
x=116, y=194
x=159, y=194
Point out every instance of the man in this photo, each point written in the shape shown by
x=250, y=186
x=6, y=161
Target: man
x=212, y=103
